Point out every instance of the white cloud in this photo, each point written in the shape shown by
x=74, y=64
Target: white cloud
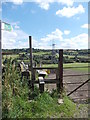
x=70, y=11
x=87, y=26
x=66, y=2
x=45, y=4
x=19, y=39
x=16, y=39
x=10, y=39
x=77, y=42
x=17, y=2
x=17, y=27
x=67, y=32
x=56, y=35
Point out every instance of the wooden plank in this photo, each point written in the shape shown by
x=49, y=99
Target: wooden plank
x=47, y=81
x=40, y=68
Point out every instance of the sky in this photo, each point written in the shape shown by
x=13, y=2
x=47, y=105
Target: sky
x=60, y=22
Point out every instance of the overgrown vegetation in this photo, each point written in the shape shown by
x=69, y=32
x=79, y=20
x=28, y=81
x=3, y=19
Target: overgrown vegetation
x=20, y=102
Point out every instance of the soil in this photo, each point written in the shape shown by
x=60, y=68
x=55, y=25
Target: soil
x=70, y=83
x=81, y=96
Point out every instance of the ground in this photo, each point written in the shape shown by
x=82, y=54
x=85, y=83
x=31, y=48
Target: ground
x=80, y=96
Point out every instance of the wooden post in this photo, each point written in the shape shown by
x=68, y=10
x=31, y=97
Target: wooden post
x=31, y=62
x=41, y=84
x=60, y=71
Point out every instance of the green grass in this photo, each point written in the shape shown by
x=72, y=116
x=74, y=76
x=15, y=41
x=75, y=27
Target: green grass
x=15, y=103
x=71, y=65
x=42, y=53
x=78, y=65
x=72, y=56
x=47, y=107
x=12, y=56
x=43, y=106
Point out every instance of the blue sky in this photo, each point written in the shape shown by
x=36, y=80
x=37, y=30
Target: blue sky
x=62, y=23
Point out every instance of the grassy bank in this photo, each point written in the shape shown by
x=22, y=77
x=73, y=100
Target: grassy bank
x=19, y=102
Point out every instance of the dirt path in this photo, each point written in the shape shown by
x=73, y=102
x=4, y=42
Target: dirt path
x=82, y=111
x=81, y=94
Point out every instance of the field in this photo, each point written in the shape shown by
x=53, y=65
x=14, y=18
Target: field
x=56, y=65
x=72, y=65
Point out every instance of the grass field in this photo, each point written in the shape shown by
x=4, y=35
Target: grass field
x=42, y=53
x=12, y=56
x=72, y=56
x=71, y=65
x=56, y=65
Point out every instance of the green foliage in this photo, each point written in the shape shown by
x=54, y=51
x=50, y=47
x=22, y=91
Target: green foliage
x=17, y=104
x=12, y=91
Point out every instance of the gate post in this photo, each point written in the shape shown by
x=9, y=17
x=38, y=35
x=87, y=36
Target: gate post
x=60, y=71
x=31, y=63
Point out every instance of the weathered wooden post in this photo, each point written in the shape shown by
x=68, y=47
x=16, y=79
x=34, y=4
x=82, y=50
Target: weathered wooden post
x=31, y=63
x=41, y=84
x=60, y=71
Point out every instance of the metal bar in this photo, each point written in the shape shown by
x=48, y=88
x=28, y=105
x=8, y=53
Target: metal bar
x=31, y=61
x=78, y=87
x=75, y=75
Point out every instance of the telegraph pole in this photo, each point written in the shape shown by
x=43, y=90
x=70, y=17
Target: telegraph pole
x=53, y=51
